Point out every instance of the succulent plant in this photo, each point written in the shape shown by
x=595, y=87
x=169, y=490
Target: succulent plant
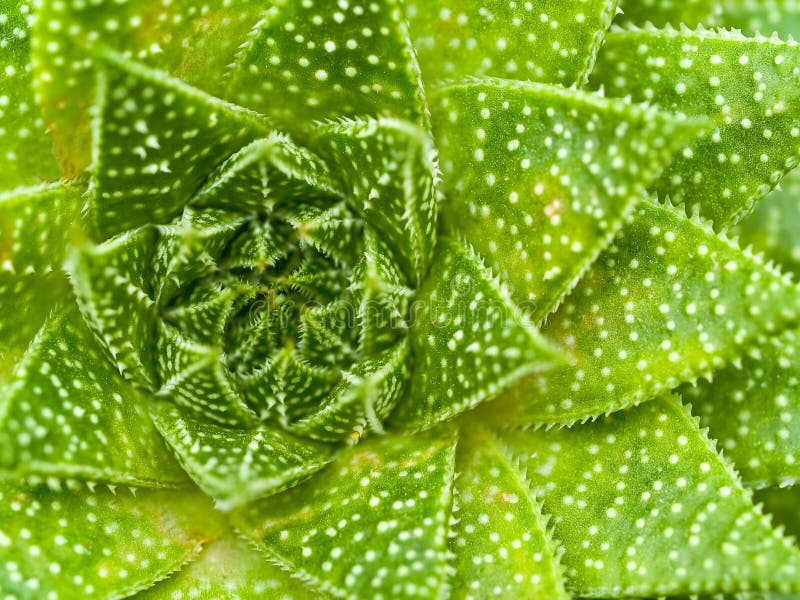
x=399, y=299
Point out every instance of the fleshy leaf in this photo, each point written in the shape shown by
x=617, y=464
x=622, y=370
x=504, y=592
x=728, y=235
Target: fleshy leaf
x=540, y=178
x=69, y=413
x=350, y=60
x=73, y=542
x=674, y=12
x=155, y=142
x=501, y=545
x=470, y=341
x=551, y=41
x=195, y=376
x=229, y=568
x=265, y=172
x=668, y=302
x=782, y=504
x=113, y=292
x=26, y=151
x=772, y=227
x=388, y=540
x=193, y=42
x=364, y=397
x=754, y=409
x=397, y=195
x=36, y=226
x=748, y=86
x=236, y=466
x=644, y=506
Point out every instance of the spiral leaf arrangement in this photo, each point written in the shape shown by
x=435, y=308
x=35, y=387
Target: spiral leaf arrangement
x=398, y=299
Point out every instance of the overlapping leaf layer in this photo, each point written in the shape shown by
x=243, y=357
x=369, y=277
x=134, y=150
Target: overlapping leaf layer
x=400, y=299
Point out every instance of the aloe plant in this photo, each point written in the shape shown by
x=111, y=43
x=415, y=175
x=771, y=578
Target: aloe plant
x=394, y=299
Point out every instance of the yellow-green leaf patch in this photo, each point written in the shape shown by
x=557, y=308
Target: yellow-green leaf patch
x=643, y=505
x=374, y=522
x=539, y=178
x=747, y=86
x=551, y=41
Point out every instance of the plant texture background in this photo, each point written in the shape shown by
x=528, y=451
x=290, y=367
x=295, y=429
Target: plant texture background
x=399, y=299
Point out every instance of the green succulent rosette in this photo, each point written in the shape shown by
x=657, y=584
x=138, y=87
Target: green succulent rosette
x=399, y=299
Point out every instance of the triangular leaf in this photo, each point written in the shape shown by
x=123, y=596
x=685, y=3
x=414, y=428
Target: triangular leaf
x=236, y=466
x=229, y=568
x=540, y=178
x=390, y=537
x=501, y=545
x=363, y=398
x=73, y=542
x=644, y=506
x=351, y=59
x=754, y=409
x=69, y=413
x=397, y=195
x=749, y=88
x=195, y=376
x=112, y=287
x=156, y=140
x=552, y=41
x=469, y=339
x=192, y=42
x=668, y=302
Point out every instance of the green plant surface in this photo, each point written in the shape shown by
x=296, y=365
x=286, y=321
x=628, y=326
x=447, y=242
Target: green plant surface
x=400, y=299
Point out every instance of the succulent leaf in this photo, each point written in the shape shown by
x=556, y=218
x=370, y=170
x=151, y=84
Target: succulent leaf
x=753, y=406
x=26, y=151
x=69, y=413
x=553, y=41
x=502, y=546
x=71, y=541
x=388, y=540
x=539, y=162
x=350, y=60
x=748, y=86
x=466, y=323
x=236, y=466
x=659, y=321
x=663, y=477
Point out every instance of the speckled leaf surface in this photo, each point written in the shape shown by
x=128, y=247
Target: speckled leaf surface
x=194, y=41
x=551, y=41
x=649, y=473
x=748, y=86
x=754, y=408
x=235, y=466
x=229, y=568
x=659, y=320
x=74, y=542
x=466, y=310
x=69, y=413
x=26, y=152
x=36, y=226
x=526, y=170
x=502, y=546
x=155, y=148
x=373, y=522
x=231, y=333
x=352, y=59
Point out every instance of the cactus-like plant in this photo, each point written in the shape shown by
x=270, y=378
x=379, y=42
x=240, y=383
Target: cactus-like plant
x=399, y=299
